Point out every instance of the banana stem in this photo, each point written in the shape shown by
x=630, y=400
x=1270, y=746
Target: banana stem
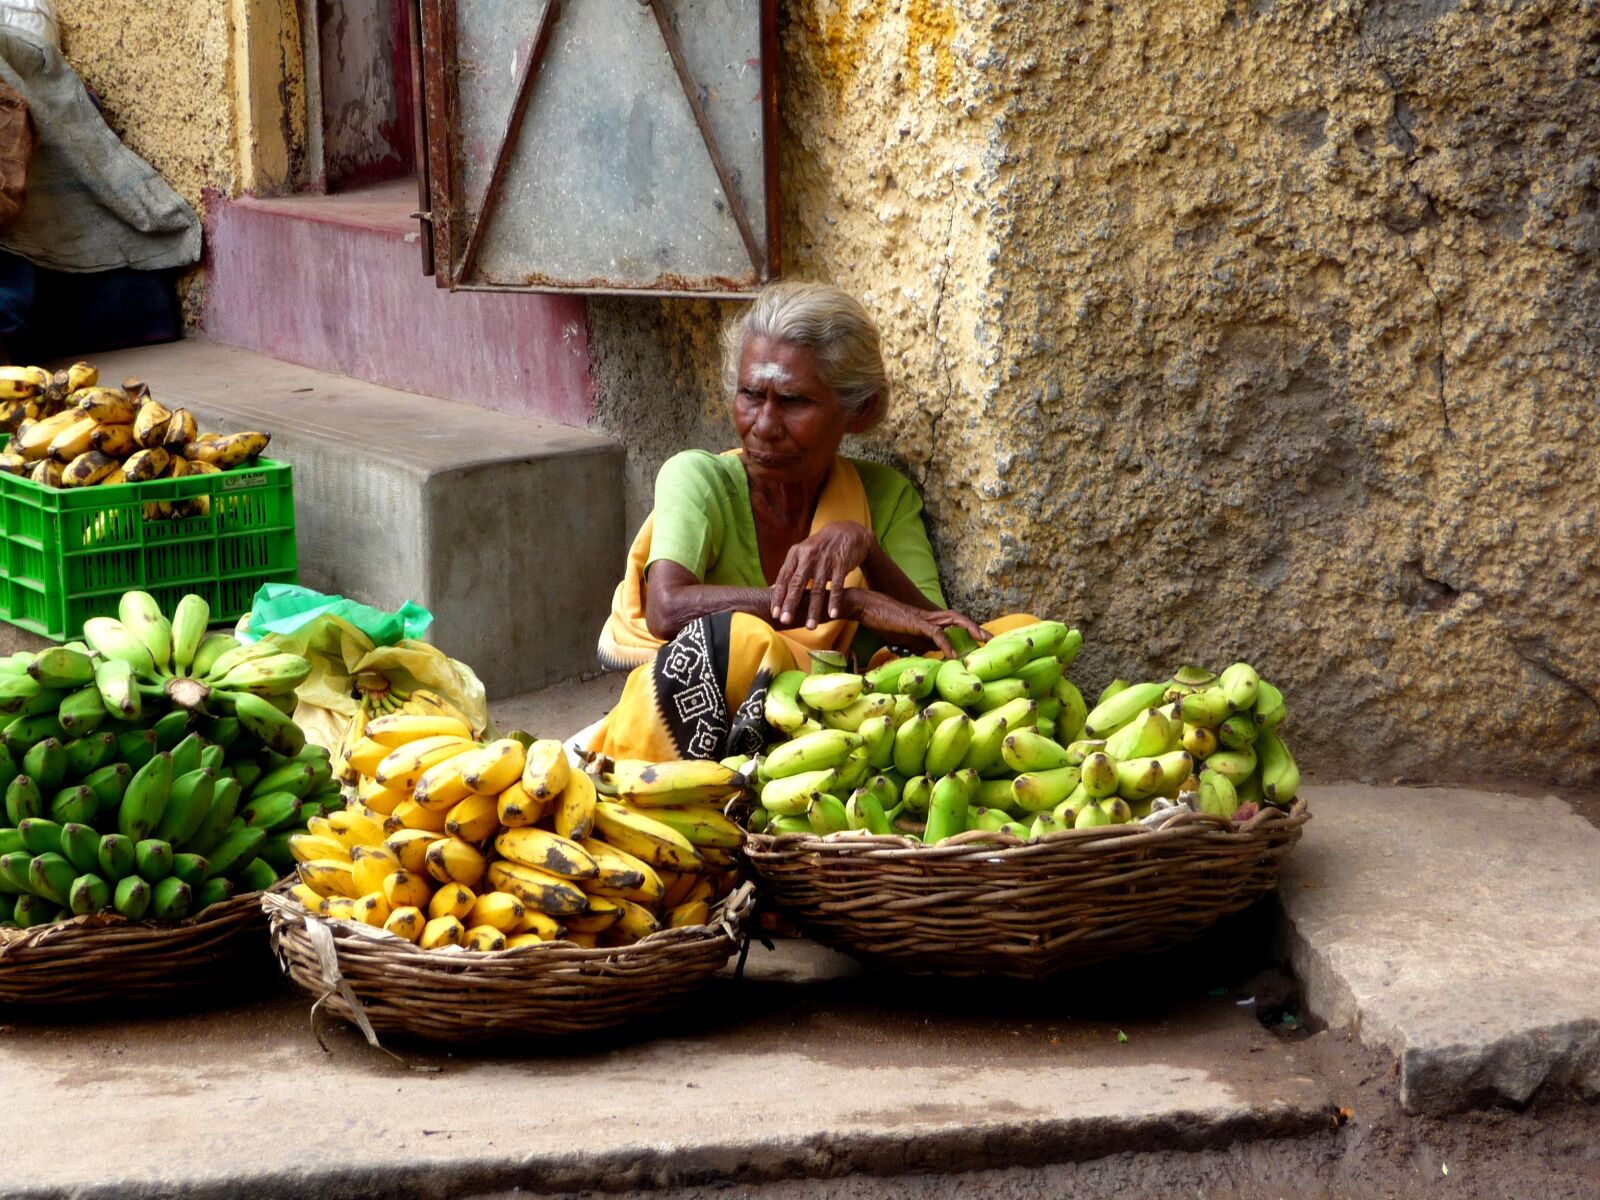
x=187, y=692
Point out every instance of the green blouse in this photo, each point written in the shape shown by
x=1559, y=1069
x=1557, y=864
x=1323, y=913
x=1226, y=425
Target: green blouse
x=703, y=522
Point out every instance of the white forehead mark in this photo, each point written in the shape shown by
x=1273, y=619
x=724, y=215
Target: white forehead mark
x=770, y=372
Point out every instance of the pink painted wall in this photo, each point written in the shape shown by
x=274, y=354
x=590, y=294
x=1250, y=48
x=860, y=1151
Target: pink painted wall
x=331, y=282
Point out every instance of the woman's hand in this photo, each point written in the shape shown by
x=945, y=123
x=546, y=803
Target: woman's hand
x=896, y=621
x=821, y=561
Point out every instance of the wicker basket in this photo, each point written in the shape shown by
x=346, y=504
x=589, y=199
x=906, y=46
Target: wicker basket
x=382, y=983
x=88, y=959
x=990, y=904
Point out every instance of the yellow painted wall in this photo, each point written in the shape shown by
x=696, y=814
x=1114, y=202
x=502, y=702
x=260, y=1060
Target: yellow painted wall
x=1261, y=330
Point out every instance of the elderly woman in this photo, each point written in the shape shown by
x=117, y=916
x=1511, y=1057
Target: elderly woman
x=755, y=559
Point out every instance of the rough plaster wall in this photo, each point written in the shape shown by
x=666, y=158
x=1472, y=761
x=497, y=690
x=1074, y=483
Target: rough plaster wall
x=161, y=72
x=1251, y=328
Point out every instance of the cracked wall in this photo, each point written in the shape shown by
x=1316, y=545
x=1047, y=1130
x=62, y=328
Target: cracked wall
x=1222, y=329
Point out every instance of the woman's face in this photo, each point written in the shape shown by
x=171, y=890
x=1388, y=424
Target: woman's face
x=789, y=422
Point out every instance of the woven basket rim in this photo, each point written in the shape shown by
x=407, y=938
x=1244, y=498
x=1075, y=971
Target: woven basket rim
x=112, y=928
x=994, y=846
x=726, y=921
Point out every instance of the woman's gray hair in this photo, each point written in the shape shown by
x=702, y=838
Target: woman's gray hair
x=827, y=320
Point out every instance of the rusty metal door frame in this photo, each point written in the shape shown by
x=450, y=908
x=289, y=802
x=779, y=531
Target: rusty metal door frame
x=451, y=235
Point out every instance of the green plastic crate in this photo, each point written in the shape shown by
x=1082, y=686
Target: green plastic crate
x=70, y=553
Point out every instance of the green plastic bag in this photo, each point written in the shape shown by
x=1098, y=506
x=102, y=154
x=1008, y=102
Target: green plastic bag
x=356, y=650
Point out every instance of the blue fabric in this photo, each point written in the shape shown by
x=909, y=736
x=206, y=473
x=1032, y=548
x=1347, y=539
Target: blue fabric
x=48, y=314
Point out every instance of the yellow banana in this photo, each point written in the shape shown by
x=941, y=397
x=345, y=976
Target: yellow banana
x=364, y=754
x=620, y=874
x=642, y=837
x=307, y=847
x=406, y=922
x=680, y=782
x=328, y=877
x=80, y=375
x=545, y=768
x=452, y=900
x=695, y=912
x=372, y=909
x=441, y=932
x=110, y=406
x=451, y=860
x=602, y=915
x=500, y=909
x=402, y=767
x=701, y=889
x=377, y=797
x=115, y=440
x=440, y=788
x=353, y=829
x=33, y=441
x=150, y=423
x=491, y=769
x=410, y=846
x=396, y=729
x=339, y=908
x=180, y=432
x=408, y=814
x=46, y=472
x=407, y=888
x=516, y=807
x=308, y=897
x=586, y=941
x=475, y=819
x=485, y=938
x=229, y=451
x=541, y=925
x=574, y=808
x=87, y=469
x=144, y=465
x=425, y=701
x=636, y=920
x=538, y=890
x=703, y=825
x=548, y=852
x=518, y=940
x=370, y=866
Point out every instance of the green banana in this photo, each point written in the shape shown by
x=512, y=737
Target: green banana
x=112, y=640
x=116, y=857
x=1280, y=775
x=277, y=852
x=887, y=677
x=989, y=733
x=1041, y=677
x=23, y=800
x=272, y=811
x=171, y=899
x=189, y=621
x=191, y=868
x=186, y=754
x=1000, y=656
x=829, y=693
x=135, y=747
x=1269, y=710
x=1092, y=816
x=1112, y=688
x=34, y=910
x=791, y=795
x=1044, y=824
x=223, y=731
x=948, y=745
x=50, y=875
x=60, y=667
x=212, y=647
x=145, y=801
x=172, y=728
x=1040, y=791
x=911, y=745
x=1098, y=774
x=247, y=773
x=999, y=692
x=1067, y=811
x=213, y=891
x=213, y=758
x=46, y=764
x=274, y=730
x=789, y=824
x=188, y=804
x=947, y=810
x=16, y=691
x=811, y=752
x=877, y=736
x=108, y=785
x=234, y=851
x=1237, y=765
x=131, y=897
x=1217, y=795
x=11, y=841
x=77, y=803
x=141, y=616
x=852, y=715
x=1122, y=706
x=40, y=835
x=917, y=794
x=8, y=764
x=89, y=894
x=86, y=755
x=1117, y=810
x=225, y=796
x=257, y=875
x=268, y=675
x=1026, y=750
x=1144, y=736
x=1207, y=709
x=1240, y=684
x=918, y=682
x=152, y=859
x=996, y=793
x=863, y=811
x=989, y=819
x=1074, y=711
x=119, y=691
x=14, y=871
x=957, y=684
x=826, y=814
x=30, y=731
x=962, y=642
x=81, y=845
x=1057, y=640
x=853, y=773
x=1238, y=732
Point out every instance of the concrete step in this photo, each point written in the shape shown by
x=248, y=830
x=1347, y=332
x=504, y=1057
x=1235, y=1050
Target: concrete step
x=509, y=530
x=807, y=1066
x=335, y=282
x=1456, y=929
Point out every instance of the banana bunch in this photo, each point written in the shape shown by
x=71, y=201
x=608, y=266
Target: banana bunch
x=67, y=431
x=379, y=697
x=140, y=654
x=117, y=800
x=452, y=841
x=998, y=740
